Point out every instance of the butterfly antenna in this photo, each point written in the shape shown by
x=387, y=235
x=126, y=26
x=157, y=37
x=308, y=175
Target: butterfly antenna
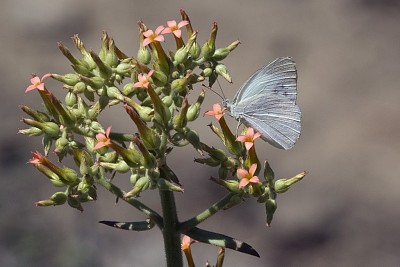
x=209, y=88
x=222, y=91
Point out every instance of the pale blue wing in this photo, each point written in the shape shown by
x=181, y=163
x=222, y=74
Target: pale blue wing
x=276, y=117
x=279, y=76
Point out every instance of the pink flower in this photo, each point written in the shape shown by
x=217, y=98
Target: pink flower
x=217, y=111
x=103, y=139
x=144, y=80
x=248, y=138
x=37, y=83
x=37, y=158
x=186, y=242
x=175, y=29
x=247, y=177
x=153, y=36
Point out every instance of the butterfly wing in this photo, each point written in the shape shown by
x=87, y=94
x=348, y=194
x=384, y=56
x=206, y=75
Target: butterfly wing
x=273, y=115
x=279, y=76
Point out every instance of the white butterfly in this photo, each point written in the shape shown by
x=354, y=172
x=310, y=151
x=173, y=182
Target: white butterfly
x=267, y=103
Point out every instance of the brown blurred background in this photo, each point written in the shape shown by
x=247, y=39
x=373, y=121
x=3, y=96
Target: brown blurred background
x=345, y=212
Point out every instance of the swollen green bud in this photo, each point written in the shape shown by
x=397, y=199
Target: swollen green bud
x=222, y=70
x=79, y=88
x=268, y=172
x=231, y=185
x=124, y=68
x=94, y=82
x=208, y=161
x=61, y=144
x=179, y=85
x=71, y=99
x=282, y=185
x=50, y=128
x=222, y=53
x=144, y=56
x=69, y=79
x=141, y=184
x=159, y=78
x=207, y=72
x=163, y=184
x=104, y=69
x=37, y=115
x=114, y=93
x=32, y=131
x=59, y=198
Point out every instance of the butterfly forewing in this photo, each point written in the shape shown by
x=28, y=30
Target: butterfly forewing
x=279, y=76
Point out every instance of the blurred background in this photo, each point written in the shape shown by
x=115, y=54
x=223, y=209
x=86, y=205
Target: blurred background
x=344, y=213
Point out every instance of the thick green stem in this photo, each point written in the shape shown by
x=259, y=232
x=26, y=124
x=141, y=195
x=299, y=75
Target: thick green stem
x=172, y=240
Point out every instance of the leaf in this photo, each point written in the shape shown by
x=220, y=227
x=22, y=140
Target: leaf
x=132, y=226
x=220, y=240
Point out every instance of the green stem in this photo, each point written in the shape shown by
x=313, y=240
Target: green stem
x=172, y=240
x=187, y=225
x=153, y=215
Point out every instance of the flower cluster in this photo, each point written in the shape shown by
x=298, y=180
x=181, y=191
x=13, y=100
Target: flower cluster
x=153, y=89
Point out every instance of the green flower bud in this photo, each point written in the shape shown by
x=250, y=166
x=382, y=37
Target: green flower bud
x=50, y=128
x=104, y=69
x=71, y=99
x=193, y=139
x=163, y=184
x=79, y=88
x=61, y=144
x=180, y=120
x=159, y=78
x=179, y=85
x=222, y=70
x=208, y=161
x=144, y=56
x=32, y=131
x=124, y=68
x=37, y=115
x=282, y=185
x=86, y=56
x=94, y=82
x=222, y=53
x=141, y=184
x=134, y=178
x=231, y=185
x=167, y=100
x=195, y=51
x=181, y=55
x=268, y=172
x=114, y=93
x=96, y=127
x=179, y=140
x=79, y=66
x=207, y=72
x=208, y=48
x=59, y=198
x=69, y=79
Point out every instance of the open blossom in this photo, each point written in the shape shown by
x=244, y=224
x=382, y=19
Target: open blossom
x=175, y=28
x=153, y=36
x=217, y=111
x=37, y=83
x=36, y=158
x=103, y=139
x=247, y=176
x=144, y=80
x=186, y=242
x=248, y=138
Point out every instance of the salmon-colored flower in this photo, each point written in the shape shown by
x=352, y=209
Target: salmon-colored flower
x=186, y=242
x=247, y=176
x=248, y=138
x=153, y=36
x=144, y=80
x=175, y=28
x=103, y=139
x=217, y=111
x=37, y=158
x=37, y=83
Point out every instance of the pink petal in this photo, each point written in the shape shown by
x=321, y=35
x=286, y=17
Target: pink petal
x=250, y=132
x=171, y=23
x=147, y=41
x=35, y=80
x=108, y=130
x=243, y=183
x=159, y=29
x=217, y=107
x=242, y=173
x=99, y=145
x=45, y=76
x=254, y=180
x=100, y=137
x=40, y=87
x=183, y=23
x=219, y=116
x=248, y=145
x=138, y=85
x=256, y=135
x=178, y=33
x=241, y=138
x=253, y=169
x=150, y=73
x=30, y=88
x=167, y=30
x=159, y=38
x=148, y=33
